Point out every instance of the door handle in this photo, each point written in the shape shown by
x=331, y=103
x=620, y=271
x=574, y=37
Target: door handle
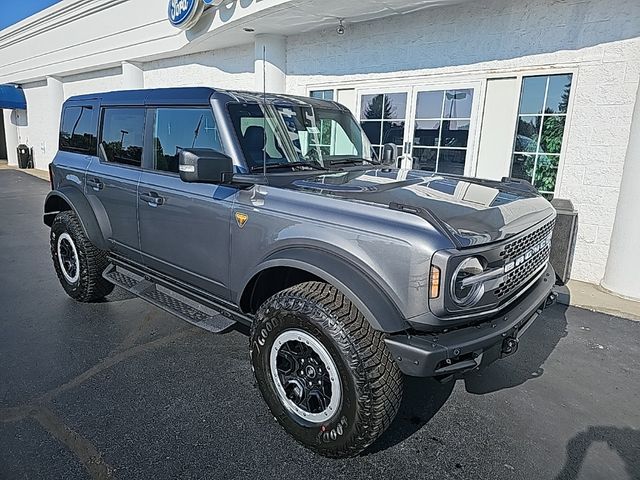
x=95, y=183
x=152, y=198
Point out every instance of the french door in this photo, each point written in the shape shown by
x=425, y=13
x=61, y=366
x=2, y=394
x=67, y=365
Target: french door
x=433, y=126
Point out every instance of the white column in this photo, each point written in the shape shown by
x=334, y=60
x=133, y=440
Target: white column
x=273, y=70
x=44, y=140
x=11, y=135
x=623, y=264
x=132, y=76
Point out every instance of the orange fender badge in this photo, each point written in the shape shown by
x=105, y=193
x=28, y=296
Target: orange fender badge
x=241, y=219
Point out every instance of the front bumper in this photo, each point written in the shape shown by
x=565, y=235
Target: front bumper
x=468, y=348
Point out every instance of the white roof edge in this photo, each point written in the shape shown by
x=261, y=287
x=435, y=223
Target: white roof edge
x=50, y=17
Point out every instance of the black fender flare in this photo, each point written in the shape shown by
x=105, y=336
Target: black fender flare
x=368, y=297
x=92, y=215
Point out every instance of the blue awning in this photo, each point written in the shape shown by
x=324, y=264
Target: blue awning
x=12, y=97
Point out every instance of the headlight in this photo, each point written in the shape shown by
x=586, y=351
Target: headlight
x=464, y=291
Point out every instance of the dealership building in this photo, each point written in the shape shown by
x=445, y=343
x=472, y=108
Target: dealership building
x=543, y=90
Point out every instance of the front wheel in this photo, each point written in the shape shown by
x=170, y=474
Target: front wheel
x=326, y=375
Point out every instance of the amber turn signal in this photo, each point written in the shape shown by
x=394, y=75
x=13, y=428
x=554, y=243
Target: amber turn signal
x=434, y=282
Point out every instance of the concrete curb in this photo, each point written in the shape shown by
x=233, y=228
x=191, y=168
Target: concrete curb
x=592, y=297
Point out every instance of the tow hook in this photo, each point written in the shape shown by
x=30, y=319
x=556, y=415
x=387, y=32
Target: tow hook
x=551, y=299
x=509, y=346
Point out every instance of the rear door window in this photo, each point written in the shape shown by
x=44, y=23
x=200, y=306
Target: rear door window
x=122, y=135
x=178, y=128
x=77, y=131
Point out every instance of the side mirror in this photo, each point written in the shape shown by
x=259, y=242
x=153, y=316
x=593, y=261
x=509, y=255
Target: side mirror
x=204, y=165
x=389, y=154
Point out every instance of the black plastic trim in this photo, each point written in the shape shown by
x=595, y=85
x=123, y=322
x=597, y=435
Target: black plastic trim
x=422, y=355
x=427, y=215
x=184, y=289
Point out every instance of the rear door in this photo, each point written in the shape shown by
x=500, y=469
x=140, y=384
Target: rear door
x=184, y=227
x=112, y=178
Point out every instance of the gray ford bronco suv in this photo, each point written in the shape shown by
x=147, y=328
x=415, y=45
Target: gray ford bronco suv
x=273, y=211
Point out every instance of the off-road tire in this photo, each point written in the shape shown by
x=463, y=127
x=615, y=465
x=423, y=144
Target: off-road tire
x=371, y=382
x=90, y=285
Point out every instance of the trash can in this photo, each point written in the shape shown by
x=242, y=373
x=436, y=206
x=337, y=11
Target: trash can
x=563, y=242
x=25, y=156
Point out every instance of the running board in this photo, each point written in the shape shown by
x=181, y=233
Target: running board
x=182, y=307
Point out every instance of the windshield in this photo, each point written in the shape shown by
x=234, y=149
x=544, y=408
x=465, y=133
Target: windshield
x=300, y=136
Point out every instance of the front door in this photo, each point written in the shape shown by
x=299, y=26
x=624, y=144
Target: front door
x=112, y=179
x=184, y=227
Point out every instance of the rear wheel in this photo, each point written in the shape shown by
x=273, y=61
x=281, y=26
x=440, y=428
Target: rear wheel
x=326, y=375
x=78, y=263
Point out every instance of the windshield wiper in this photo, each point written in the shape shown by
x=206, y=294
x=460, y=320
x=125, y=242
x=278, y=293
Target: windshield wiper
x=273, y=166
x=348, y=161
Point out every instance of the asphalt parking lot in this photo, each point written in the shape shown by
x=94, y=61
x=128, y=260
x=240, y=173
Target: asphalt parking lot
x=120, y=389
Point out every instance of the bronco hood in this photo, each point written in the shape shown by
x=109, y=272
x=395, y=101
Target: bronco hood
x=469, y=211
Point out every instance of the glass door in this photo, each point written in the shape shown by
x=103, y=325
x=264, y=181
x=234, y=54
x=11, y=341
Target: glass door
x=383, y=115
x=441, y=129
x=433, y=127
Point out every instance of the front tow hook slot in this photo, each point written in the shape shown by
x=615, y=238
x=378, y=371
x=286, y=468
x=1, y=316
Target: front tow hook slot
x=509, y=346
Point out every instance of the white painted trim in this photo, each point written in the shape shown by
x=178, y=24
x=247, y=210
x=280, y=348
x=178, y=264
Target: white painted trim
x=53, y=17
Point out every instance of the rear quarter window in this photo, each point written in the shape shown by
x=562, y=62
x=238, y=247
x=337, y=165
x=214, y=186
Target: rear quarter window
x=77, y=132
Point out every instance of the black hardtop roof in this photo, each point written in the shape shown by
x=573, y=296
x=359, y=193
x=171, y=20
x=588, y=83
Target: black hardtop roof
x=195, y=96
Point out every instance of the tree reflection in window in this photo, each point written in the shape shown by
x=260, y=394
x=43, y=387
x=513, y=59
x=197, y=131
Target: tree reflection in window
x=541, y=120
x=382, y=117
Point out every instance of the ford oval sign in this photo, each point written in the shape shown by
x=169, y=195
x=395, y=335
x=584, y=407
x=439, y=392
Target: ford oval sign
x=184, y=14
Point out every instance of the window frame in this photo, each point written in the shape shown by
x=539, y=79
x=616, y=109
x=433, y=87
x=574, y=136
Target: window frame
x=145, y=148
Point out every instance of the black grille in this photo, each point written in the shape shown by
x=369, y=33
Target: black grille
x=522, y=273
x=515, y=278
x=518, y=247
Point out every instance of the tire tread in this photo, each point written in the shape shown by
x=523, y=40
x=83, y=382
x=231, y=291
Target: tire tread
x=378, y=377
x=94, y=286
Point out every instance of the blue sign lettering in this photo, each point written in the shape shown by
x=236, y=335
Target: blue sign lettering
x=181, y=11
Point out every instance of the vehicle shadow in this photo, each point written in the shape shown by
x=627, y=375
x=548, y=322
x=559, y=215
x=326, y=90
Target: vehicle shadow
x=527, y=364
x=118, y=295
x=423, y=398
x=624, y=441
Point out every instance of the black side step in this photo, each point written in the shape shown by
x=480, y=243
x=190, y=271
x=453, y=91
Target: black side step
x=182, y=307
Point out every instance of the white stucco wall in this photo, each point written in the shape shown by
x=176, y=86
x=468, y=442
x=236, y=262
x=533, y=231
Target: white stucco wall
x=225, y=68
x=598, y=41
x=40, y=127
x=96, y=81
